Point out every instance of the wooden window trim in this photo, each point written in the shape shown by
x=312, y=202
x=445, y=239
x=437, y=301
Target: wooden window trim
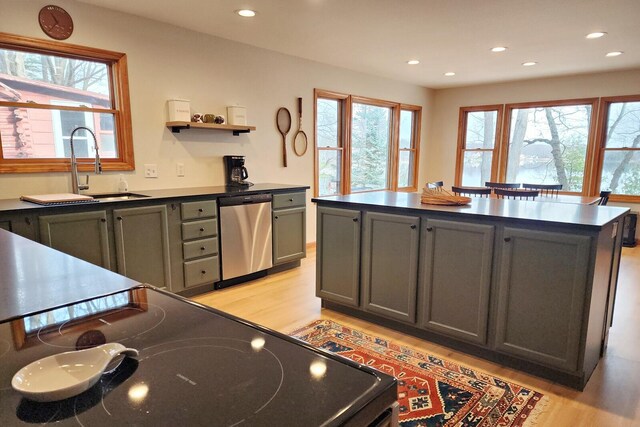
x=506, y=130
x=462, y=139
x=117, y=63
x=345, y=128
x=600, y=147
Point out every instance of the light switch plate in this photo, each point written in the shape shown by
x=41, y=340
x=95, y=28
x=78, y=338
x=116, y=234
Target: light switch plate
x=150, y=170
x=180, y=169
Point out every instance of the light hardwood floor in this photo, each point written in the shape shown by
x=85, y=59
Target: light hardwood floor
x=286, y=300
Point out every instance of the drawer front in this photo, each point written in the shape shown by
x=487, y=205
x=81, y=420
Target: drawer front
x=199, y=272
x=197, y=229
x=200, y=248
x=288, y=200
x=202, y=209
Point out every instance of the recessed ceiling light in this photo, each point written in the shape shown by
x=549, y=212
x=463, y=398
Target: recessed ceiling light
x=413, y=62
x=450, y=74
x=246, y=13
x=498, y=49
x=616, y=53
x=529, y=63
x=595, y=35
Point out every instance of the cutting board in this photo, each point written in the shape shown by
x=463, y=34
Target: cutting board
x=58, y=199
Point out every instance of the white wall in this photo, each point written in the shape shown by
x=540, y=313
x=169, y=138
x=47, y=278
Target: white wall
x=168, y=62
x=442, y=136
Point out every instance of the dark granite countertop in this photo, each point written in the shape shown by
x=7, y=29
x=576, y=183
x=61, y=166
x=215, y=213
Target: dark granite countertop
x=577, y=215
x=9, y=205
x=34, y=277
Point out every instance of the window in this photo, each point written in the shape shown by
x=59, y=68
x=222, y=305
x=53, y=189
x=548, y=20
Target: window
x=47, y=89
x=364, y=144
x=478, y=144
x=620, y=146
x=547, y=143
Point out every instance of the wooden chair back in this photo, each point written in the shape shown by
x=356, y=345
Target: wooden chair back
x=516, y=194
x=471, y=191
x=502, y=184
x=604, y=198
x=548, y=189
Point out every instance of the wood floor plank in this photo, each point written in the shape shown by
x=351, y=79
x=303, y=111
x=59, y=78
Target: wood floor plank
x=286, y=300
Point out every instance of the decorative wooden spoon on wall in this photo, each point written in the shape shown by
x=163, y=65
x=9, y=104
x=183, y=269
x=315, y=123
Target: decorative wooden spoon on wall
x=283, y=121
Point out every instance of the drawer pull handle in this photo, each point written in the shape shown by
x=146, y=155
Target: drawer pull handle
x=507, y=239
x=413, y=226
x=291, y=200
x=201, y=210
x=204, y=272
x=103, y=220
x=355, y=219
x=201, y=229
x=429, y=228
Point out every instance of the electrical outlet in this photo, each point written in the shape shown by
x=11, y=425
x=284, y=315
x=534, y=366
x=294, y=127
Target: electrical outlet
x=150, y=171
x=180, y=169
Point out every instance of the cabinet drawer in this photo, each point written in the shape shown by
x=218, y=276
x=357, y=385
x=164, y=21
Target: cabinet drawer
x=288, y=200
x=196, y=229
x=201, y=209
x=200, y=248
x=199, y=272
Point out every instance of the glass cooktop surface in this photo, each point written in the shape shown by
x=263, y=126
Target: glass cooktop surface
x=196, y=366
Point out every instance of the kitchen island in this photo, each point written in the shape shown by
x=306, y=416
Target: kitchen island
x=527, y=284
x=196, y=366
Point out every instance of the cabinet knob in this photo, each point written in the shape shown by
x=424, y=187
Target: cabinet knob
x=119, y=218
x=355, y=219
x=27, y=220
x=413, y=226
x=201, y=229
x=103, y=220
x=507, y=239
x=291, y=200
x=202, y=248
x=275, y=217
x=204, y=272
x=200, y=210
x=429, y=228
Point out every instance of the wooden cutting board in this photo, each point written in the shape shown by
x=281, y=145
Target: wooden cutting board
x=58, y=199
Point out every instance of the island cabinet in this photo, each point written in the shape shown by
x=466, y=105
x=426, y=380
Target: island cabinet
x=84, y=235
x=541, y=292
x=338, y=255
x=456, y=276
x=389, y=259
x=289, y=227
x=142, y=244
x=24, y=225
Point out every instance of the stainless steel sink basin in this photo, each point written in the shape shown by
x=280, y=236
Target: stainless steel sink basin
x=114, y=197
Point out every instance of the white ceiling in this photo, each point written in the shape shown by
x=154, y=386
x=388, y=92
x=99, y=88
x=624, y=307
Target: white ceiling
x=379, y=36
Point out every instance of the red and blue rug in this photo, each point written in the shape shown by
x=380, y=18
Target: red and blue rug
x=432, y=392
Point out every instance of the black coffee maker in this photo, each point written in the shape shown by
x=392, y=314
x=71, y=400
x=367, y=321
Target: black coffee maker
x=235, y=172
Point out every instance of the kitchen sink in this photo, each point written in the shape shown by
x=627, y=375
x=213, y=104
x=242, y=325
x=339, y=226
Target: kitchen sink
x=114, y=197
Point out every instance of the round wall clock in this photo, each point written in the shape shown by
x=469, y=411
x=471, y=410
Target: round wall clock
x=55, y=22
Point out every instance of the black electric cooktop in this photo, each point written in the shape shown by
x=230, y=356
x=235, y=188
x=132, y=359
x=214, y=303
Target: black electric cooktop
x=197, y=366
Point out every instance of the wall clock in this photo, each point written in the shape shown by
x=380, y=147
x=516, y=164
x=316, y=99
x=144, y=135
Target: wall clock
x=55, y=22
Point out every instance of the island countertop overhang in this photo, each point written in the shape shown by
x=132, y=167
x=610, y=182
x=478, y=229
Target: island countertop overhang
x=520, y=211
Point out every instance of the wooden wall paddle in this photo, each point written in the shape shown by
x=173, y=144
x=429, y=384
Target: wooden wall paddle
x=283, y=121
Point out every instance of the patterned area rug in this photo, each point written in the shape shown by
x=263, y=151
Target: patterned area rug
x=431, y=391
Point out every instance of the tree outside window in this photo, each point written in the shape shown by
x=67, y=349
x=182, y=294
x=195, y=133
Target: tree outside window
x=477, y=145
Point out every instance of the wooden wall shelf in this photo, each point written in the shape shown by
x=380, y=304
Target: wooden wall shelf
x=176, y=127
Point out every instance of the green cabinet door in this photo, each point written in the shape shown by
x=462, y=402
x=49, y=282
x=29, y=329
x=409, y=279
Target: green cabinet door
x=20, y=224
x=142, y=244
x=390, y=265
x=289, y=235
x=456, y=278
x=338, y=255
x=542, y=272
x=83, y=235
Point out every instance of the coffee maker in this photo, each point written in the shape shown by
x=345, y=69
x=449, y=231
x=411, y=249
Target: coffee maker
x=235, y=172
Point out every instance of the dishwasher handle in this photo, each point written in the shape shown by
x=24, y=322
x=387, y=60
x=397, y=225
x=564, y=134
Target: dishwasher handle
x=244, y=200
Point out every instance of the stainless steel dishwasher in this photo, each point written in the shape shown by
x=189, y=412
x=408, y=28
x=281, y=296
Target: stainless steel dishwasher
x=245, y=235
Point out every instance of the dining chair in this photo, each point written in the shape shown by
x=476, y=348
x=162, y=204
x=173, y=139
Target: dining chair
x=471, y=191
x=604, y=198
x=501, y=184
x=548, y=189
x=512, y=193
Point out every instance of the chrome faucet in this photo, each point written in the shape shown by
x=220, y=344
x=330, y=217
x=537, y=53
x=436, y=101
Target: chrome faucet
x=75, y=187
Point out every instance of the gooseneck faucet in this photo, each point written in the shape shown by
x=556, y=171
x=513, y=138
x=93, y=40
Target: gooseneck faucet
x=74, y=162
